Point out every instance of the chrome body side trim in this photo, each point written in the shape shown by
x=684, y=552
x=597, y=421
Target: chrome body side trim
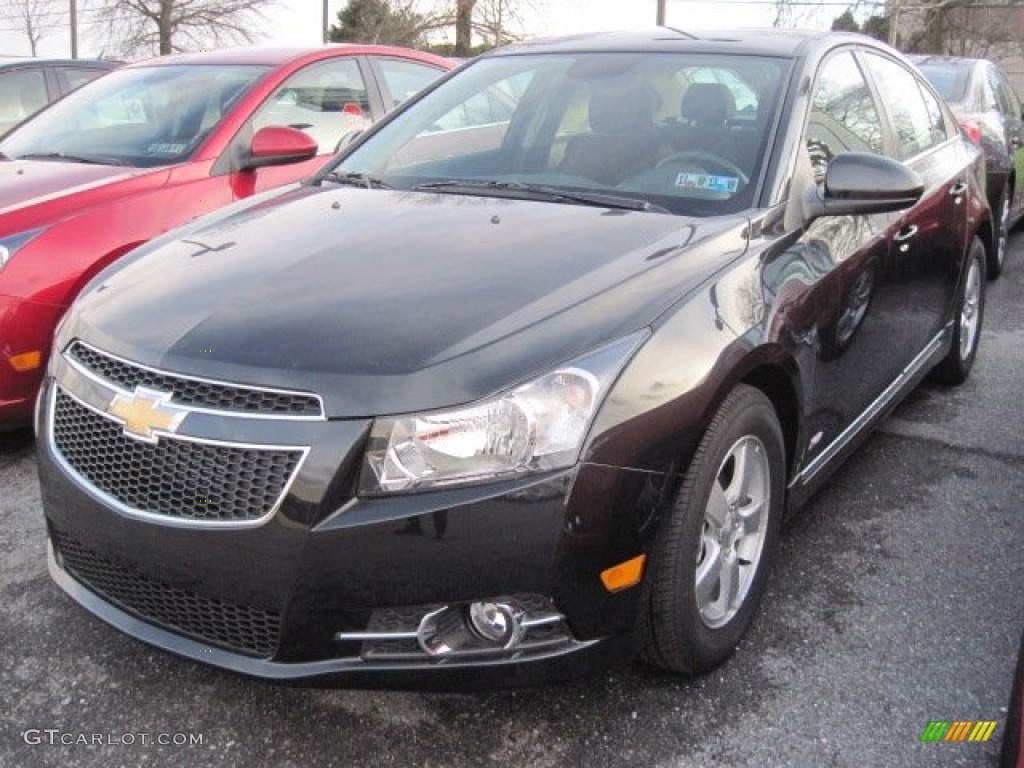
x=877, y=406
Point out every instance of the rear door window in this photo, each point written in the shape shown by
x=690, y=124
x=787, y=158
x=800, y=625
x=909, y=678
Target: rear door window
x=402, y=79
x=71, y=78
x=22, y=93
x=917, y=126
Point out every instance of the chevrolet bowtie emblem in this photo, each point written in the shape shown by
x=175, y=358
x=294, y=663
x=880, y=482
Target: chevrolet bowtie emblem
x=146, y=412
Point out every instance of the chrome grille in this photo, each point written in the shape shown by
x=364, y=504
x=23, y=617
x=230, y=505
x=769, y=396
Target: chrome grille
x=248, y=629
x=195, y=392
x=176, y=478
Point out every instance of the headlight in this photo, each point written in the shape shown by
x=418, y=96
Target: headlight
x=9, y=245
x=536, y=427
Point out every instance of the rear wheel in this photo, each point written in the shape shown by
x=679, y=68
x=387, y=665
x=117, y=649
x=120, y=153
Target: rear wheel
x=712, y=555
x=998, y=255
x=967, y=318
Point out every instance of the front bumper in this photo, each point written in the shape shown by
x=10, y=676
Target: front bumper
x=288, y=598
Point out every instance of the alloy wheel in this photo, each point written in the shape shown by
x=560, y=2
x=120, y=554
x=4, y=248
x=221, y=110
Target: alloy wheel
x=735, y=525
x=969, y=311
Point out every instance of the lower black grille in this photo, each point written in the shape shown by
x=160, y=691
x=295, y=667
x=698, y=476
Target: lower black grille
x=244, y=628
x=175, y=478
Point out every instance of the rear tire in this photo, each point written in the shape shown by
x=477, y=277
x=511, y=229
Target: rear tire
x=997, y=258
x=967, y=318
x=712, y=554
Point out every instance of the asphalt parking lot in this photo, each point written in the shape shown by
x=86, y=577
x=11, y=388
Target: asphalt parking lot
x=898, y=599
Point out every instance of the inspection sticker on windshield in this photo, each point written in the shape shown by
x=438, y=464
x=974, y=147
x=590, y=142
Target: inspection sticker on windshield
x=707, y=181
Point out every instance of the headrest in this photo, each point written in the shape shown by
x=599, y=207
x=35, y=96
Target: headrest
x=707, y=103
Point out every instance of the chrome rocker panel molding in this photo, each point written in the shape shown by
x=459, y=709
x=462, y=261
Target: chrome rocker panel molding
x=150, y=517
x=890, y=395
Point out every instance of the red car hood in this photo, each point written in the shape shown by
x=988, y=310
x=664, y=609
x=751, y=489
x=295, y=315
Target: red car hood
x=24, y=183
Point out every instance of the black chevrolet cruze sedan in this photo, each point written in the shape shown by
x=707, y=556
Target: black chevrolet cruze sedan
x=524, y=382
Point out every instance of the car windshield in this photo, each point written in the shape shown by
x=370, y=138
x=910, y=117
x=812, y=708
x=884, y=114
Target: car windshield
x=143, y=117
x=684, y=133
x=949, y=78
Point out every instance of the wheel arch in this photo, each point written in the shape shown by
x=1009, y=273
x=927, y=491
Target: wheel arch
x=776, y=380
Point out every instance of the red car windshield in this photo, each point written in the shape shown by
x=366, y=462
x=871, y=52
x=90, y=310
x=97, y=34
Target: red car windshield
x=142, y=117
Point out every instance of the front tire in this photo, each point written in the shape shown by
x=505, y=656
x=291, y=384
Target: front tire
x=967, y=318
x=712, y=555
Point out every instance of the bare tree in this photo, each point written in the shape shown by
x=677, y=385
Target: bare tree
x=501, y=21
x=464, y=26
x=166, y=26
x=36, y=18
x=977, y=28
x=790, y=13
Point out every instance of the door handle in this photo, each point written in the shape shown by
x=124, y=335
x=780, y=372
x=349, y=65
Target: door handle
x=958, y=189
x=906, y=233
x=903, y=237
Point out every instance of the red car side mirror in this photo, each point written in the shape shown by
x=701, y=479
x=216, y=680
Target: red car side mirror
x=279, y=145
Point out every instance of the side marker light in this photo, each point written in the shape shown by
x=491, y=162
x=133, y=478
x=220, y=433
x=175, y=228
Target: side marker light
x=624, y=575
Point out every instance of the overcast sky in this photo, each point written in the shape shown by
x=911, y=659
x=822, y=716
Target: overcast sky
x=298, y=21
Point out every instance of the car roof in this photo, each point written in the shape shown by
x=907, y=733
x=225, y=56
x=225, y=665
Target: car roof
x=931, y=58
x=767, y=42
x=276, y=55
x=88, y=63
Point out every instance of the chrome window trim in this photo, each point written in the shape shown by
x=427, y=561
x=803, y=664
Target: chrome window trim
x=197, y=409
x=152, y=517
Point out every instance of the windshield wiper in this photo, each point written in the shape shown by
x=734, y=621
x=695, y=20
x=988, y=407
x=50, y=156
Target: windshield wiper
x=535, y=191
x=356, y=179
x=64, y=156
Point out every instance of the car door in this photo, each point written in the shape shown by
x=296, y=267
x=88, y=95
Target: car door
x=834, y=287
x=932, y=235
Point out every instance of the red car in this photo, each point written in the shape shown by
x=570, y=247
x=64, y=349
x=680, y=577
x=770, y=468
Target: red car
x=154, y=145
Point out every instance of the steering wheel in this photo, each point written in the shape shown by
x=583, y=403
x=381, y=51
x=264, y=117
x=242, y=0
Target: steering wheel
x=704, y=160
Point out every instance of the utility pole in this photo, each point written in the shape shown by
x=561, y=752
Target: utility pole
x=661, y=13
x=324, y=23
x=74, y=29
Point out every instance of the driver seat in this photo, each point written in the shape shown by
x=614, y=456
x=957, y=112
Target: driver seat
x=622, y=138
x=705, y=112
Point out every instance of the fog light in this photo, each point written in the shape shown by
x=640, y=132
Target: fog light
x=493, y=621
x=480, y=627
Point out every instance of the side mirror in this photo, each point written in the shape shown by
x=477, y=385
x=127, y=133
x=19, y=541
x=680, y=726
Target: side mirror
x=858, y=183
x=279, y=145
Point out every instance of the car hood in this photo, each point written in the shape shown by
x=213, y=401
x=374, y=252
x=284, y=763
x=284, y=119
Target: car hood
x=388, y=301
x=24, y=183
